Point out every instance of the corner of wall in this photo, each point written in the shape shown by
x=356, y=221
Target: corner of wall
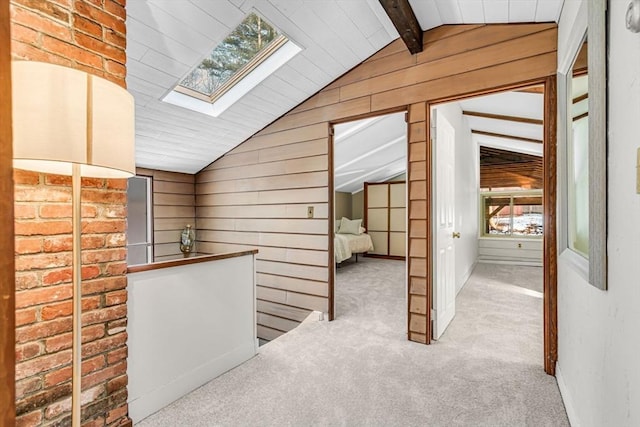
x=567, y=398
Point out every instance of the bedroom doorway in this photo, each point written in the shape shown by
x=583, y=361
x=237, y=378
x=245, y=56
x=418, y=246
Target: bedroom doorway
x=488, y=215
x=368, y=215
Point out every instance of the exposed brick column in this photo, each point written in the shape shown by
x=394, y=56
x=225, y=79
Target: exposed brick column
x=88, y=35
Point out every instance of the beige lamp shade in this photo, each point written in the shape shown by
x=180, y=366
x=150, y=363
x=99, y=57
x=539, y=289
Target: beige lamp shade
x=63, y=116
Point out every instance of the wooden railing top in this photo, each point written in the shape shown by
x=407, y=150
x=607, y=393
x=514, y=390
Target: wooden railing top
x=187, y=261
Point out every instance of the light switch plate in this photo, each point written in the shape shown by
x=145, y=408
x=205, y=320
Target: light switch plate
x=309, y=211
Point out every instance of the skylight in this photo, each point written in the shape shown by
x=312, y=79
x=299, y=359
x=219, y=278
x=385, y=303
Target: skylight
x=249, y=54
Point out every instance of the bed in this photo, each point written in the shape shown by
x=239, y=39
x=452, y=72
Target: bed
x=350, y=240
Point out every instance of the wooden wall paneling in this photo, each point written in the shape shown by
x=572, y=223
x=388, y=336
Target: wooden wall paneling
x=356, y=106
x=444, y=31
x=289, y=211
x=290, y=181
x=173, y=208
x=294, y=284
x=500, y=57
x=475, y=38
x=473, y=60
x=7, y=269
x=501, y=76
x=418, y=318
x=275, y=138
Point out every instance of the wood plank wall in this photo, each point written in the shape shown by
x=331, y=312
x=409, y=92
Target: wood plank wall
x=7, y=241
x=173, y=208
x=257, y=194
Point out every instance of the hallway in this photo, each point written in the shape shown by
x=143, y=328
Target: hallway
x=361, y=370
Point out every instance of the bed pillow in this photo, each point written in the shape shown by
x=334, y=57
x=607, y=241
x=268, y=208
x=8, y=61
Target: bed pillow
x=337, y=226
x=348, y=226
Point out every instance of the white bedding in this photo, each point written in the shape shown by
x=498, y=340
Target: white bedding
x=345, y=245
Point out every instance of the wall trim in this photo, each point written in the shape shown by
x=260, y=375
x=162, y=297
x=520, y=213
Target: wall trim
x=467, y=274
x=574, y=421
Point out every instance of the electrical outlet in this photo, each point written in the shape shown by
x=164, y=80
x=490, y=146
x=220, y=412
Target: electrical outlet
x=309, y=211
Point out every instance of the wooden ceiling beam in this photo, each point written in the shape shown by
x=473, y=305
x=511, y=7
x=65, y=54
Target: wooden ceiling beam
x=502, y=135
x=405, y=21
x=502, y=117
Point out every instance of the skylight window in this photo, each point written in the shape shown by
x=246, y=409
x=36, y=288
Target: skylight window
x=248, y=55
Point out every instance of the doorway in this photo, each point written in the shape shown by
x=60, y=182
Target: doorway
x=511, y=133
x=369, y=205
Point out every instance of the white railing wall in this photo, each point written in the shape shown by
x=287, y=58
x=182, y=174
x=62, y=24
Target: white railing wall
x=187, y=324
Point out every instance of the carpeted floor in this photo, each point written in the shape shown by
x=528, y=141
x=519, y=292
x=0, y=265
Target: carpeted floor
x=360, y=369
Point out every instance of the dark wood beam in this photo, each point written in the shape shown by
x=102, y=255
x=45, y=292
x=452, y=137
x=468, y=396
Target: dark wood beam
x=7, y=269
x=403, y=18
x=502, y=135
x=501, y=117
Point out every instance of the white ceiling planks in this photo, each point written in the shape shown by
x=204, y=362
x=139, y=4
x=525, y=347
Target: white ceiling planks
x=472, y=11
x=432, y=13
x=496, y=11
x=522, y=11
x=167, y=38
x=548, y=10
x=369, y=150
x=427, y=13
x=449, y=11
x=520, y=104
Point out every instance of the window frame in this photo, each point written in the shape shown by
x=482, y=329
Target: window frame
x=149, y=223
x=511, y=194
x=243, y=72
x=591, y=23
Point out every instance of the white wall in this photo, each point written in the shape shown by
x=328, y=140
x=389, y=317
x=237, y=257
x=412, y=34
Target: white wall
x=187, y=325
x=599, y=332
x=342, y=205
x=357, y=205
x=466, y=197
x=510, y=251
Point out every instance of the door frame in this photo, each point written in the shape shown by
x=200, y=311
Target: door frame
x=332, y=192
x=550, y=246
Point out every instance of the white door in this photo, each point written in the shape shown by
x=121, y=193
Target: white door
x=444, y=292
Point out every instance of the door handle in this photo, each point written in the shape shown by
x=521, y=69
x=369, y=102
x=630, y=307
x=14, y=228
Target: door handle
x=456, y=235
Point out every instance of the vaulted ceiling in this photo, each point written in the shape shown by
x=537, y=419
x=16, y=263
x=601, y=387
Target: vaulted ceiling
x=167, y=38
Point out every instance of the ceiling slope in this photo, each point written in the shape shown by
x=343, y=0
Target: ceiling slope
x=167, y=38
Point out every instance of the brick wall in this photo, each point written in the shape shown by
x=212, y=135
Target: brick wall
x=88, y=35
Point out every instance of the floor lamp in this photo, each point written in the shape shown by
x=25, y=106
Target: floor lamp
x=68, y=122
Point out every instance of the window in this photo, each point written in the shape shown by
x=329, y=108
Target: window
x=512, y=214
x=139, y=221
x=241, y=51
x=248, y=55
x=578, y=168
x=582, y=133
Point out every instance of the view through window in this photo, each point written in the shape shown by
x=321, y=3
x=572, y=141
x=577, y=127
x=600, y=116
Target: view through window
x=241, y=51
x=513, y=214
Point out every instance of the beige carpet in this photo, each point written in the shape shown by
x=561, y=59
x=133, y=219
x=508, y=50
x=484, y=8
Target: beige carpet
x=360, y=369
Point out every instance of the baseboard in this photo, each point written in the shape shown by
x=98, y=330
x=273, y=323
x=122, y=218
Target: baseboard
x=566, y=398
x=511, y=262
x=154, y=400
x=466, y=276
